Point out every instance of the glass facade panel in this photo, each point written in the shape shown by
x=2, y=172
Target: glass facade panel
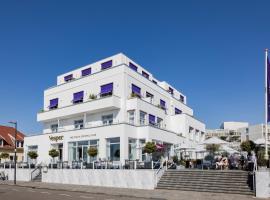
x=113, y=149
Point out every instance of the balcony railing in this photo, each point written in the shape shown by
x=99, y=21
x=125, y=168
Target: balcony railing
x=90, y=106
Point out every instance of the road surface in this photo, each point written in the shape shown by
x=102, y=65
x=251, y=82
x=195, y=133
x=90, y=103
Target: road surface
x=24, y=193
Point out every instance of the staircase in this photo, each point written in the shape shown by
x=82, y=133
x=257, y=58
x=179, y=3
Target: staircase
x=234, y=182
x=36, y=175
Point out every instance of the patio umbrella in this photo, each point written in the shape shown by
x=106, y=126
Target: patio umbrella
x=214, y=140
x=229, y=149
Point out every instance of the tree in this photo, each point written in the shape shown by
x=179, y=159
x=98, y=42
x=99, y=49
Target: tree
x=212, y=148
x=53, y=153
x=247, y=146
x=150, y=147
x=261, y=161
x=92, y=151
x=32, y=154
x=4, y=155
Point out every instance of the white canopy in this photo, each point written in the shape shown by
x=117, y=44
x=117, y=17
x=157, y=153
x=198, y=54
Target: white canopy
x=184, y=147
x=214, y=140
x=261, y=141
x=200, y=149
x=228, y=149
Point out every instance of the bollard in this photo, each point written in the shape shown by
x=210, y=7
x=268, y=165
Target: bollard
x=135, y=164
x=152, y=163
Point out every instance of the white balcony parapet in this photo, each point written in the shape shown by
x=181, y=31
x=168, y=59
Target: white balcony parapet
x=89, y=106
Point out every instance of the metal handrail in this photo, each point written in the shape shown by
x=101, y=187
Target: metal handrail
x=38, y=168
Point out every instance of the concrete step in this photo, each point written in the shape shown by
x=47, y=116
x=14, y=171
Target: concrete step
x=246, y=192
x=202, y=185
x=207, y=179
x=203, y=182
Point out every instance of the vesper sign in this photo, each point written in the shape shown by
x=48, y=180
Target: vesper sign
x=56, y=138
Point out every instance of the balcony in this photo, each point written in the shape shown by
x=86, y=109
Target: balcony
x=90, y=106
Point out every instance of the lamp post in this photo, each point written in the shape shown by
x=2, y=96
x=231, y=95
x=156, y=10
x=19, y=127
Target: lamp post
x=15, y=150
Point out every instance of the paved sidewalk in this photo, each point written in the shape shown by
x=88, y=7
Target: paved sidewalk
x=156, y=194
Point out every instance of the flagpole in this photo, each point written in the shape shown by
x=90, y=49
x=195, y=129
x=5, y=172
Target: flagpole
x=266, y=106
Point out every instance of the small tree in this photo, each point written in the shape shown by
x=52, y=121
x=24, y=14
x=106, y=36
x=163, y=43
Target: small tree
x=53, y=153
x=212, y=148
x=247, y=146
x=92, y=152
x=32, y=155
x=150, y=148
x=260, y=158
x=4, y=155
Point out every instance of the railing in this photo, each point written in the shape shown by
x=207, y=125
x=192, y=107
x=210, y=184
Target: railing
x=36, y=172
x=160, y=171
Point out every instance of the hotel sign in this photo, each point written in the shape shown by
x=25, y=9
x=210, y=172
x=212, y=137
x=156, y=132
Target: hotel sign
x=82, y=136
x=56, y=138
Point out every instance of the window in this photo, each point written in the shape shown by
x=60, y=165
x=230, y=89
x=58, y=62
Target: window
x=68, y=77
x=152, y=119
x=78, y=124
x=145, y=74
x=136, y=90
x=86, y=72
x=177, y=111
x=170, y=90
x=159, y=122
x=106, y=65
x=107, y=119
x=162, y=104
x=131, y=117
x=1, y=142
x=149, y=95
x=106, y=90
x=154, y=82
x=53, y=103
x=132, y=66
x=113, y=149
x=78, y=97
x=132, y=149
x=182, y=98
x=190, y=129
x=142, y=118
x=54, y=128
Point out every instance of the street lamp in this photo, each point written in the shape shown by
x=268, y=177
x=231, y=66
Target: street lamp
x=15, y=150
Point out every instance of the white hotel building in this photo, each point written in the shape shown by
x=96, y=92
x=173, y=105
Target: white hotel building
x=117, y=106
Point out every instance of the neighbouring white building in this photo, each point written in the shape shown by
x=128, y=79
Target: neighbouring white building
x=229, y=131
x=254, y=132
x=116, y=106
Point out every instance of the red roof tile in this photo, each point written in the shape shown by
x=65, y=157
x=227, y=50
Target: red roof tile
x=7, y=134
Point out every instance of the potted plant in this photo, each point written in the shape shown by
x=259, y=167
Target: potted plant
x=92, y=152
x=92, y=96
x=149, y=148
x=4, y=156
x=54, y=153
x=32, y=155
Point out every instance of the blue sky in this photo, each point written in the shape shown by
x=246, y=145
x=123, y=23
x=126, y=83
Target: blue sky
x=212, y=51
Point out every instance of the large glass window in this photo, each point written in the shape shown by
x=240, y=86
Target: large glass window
x=78, y=124
x=113, y=149
x=77, y=151
x=107, y=119
x=142, y=118
x=131, y=117
x=132, y=149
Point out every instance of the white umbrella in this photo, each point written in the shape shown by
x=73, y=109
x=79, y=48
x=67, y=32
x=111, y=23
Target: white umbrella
x=200, y=149
x=229, y=149
x=261, y=141
x=214, y=140
x=184, y=147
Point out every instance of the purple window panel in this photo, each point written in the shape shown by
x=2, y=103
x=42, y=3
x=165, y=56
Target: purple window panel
x=152, y=119
x=145, y=74
x=86, y=72
x=162, y=103
x=105, y=89
x=78, y=96
x=53, y=103
x=68, y=77
x=132, y=66
x=106, y=65
x=177, y=111
x=136, y=89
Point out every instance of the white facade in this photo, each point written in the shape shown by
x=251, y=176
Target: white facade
x=253, y=132
x=132, y=108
